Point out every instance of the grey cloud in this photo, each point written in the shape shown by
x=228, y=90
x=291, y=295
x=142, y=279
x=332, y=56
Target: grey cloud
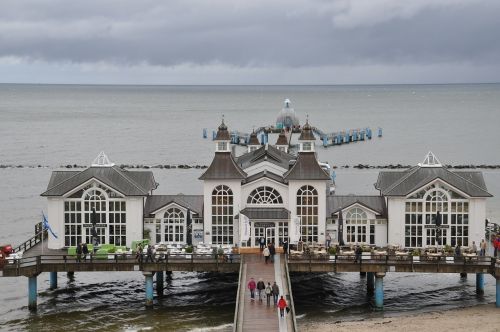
x=253, y=33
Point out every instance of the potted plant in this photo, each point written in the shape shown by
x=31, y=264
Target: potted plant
x=416, y=255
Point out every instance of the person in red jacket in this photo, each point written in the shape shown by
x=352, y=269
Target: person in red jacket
x=282, y=305
x=251, y=286
x=496, y=245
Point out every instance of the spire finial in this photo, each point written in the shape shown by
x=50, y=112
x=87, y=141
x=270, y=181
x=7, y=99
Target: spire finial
x=102, y=161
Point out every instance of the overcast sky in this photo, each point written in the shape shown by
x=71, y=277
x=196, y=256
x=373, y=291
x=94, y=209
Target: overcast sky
x=250, y=41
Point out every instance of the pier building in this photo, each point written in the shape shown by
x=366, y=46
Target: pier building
x=268, y=192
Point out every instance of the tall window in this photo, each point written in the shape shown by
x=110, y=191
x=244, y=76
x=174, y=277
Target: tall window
x=421, y=213
x=307, y=211
x=357, y=227
x=72, y=223
x=117, y=223
x=265, y=195
x=174, y=225
x=222, y=215
x=110, y=216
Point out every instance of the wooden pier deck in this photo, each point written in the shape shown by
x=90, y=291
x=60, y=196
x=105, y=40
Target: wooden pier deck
x=256, y=315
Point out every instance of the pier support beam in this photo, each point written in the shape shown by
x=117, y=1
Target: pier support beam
x=498, y=293
x=370, y=282
x=53, y=280
x=149, y=289
x=32, y=292
x=159, y=283
x=379, y=290
x=71, y=274
x=480, y=283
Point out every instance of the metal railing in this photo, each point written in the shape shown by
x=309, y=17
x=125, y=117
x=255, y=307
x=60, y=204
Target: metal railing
x=237, y=324
x=290, y=301
x=30, y=243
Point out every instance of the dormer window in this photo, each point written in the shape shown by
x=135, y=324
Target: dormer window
x=307, y=146
x=222, y=146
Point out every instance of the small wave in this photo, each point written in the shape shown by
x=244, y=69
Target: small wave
x=212, y=328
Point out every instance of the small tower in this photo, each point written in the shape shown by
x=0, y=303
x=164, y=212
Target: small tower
x=222, y=138
x=306, y=139
x=431, y=161
x=282, y=142
x=253, y=143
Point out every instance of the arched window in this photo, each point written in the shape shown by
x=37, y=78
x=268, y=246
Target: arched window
x=173, y=226
x=357, y=226
x=307, y=211
x=265, y=195
x=222, y=215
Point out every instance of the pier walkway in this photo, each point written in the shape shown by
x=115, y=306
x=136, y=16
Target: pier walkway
x=256, y=315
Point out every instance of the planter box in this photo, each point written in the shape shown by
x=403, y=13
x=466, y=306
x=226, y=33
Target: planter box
x=366, y=255
x=450, y=259
x=416, y=258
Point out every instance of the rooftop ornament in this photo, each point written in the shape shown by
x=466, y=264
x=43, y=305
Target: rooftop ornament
x=102, y=161
x=431, y=161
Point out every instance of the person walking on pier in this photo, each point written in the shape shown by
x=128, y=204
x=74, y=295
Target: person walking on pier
x=266, y=254
x=474, y=247
x=269, y=293
x=276, y=293
x=78, y=252
x=262, y=243
x=260, y=287
x=358, y=252
x=85, y=251
x=285, y=247
x=138, y=253
x=251, y=286
x=150, y=254
x=282, y=305
x=272, y=252
x=328, y=240
x=482, y=247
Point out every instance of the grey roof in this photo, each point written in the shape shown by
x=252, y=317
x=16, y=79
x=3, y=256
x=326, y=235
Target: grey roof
x=192, y=202
x=306, y=133
x=129, y=183
x=222, y=133
x=223, y=167
x=282, y=139
x=266, y=213
x=265, y=153
x=397, y=183
x=253, y=139
x=336, y=203
x=265, y=174
x=306, y=168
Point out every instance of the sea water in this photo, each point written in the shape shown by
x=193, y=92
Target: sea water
x=55, y=125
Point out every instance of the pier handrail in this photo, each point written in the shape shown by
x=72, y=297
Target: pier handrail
x=237, y=326
x=290, y=302
x=30, y=243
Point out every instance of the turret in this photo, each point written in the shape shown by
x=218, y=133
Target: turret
x=282, y=142
x=222, y=138
x=306, y=139
x=253, y=143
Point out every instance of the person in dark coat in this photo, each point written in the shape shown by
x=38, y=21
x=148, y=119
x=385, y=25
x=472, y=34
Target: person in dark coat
x=78, y=252
x=276, y=292
x=457, y=250
x=262, y=243
x=285, y=247
x=150, y=254
x=272, y=251
x=260, y=287
x=358, y=252
x=85, y=251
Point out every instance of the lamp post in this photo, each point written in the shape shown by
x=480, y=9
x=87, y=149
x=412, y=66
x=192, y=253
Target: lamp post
x=437, y=219
x=93, y=220
x=341, y=230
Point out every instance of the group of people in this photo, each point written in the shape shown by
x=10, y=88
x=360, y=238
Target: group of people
x=267, y=291
x=149, y=253
x=268, y=252
x=82, y=251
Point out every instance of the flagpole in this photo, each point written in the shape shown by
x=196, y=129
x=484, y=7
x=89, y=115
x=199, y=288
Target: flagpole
x=42, y=232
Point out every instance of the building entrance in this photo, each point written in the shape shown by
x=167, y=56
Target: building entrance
x=271, y=235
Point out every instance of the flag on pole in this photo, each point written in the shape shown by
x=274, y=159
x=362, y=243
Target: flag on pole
x=245, y=228
x=295, y=235
x=45, y=225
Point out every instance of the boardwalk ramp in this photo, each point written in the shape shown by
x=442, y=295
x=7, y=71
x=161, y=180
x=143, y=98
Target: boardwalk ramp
x=257, y=315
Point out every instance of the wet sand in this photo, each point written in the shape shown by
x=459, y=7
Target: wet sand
x=478, y=318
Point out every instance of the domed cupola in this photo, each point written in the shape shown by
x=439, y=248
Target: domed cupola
x=222, y=138
x=306, y=139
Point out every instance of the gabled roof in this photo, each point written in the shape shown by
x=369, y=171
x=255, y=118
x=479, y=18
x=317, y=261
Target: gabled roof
x=264, y=174
x=223, y=167
x=128, y=183
x=397, y=183
x=265, y=153
x=266, y=213
x=156, y=202
x=306, y=168
x=336, y=203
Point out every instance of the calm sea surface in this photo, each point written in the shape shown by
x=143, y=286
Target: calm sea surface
x=60, y=124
